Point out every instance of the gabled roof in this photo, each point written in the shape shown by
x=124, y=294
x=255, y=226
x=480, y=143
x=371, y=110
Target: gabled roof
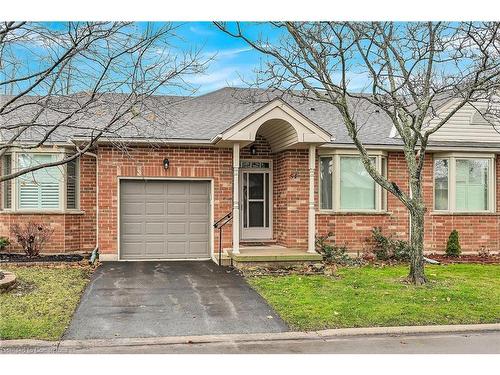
x=203, y=118
x=206, y=116
x=279, y=123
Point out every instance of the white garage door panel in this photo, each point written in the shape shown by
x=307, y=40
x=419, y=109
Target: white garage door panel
x=164, y=219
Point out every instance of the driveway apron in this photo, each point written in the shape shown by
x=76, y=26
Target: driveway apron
x=154, y=299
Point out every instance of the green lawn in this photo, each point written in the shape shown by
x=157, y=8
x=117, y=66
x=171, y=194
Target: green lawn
x=43, y=303
x=371, y=296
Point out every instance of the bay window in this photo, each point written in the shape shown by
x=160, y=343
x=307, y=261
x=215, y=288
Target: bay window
x=326, y=181
x=357, y=188
x=345, y=185
x=47, y=189
x=464, y=183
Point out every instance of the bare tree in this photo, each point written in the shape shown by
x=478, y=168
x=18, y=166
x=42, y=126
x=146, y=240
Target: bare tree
x=410, y=70
x=91, y=79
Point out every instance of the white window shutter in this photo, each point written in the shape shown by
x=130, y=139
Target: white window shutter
x=39, y=189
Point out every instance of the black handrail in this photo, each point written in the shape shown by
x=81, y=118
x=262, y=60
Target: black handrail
x=227, y=216
x=219, y=224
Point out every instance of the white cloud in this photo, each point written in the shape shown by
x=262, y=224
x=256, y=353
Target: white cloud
x=228, y=53
x=217, y=79
x=212, y=77
x=200, y=31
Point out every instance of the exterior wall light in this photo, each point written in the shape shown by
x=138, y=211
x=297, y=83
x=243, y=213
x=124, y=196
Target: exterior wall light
x=166, y=163
x=253, y=150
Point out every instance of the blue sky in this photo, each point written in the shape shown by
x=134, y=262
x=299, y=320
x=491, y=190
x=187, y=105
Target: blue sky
x=234, y=61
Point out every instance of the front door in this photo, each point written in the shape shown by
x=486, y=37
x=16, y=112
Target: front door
x=256, y=193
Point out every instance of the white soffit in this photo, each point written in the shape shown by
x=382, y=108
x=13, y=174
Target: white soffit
x=280, y=124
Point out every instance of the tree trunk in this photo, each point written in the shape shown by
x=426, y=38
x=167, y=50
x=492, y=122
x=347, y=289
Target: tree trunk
x=417, y=275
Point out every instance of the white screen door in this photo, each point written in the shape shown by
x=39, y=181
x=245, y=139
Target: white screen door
x=256, y=193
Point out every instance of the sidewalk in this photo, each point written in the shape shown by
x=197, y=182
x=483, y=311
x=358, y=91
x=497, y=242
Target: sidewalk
x=65, y=346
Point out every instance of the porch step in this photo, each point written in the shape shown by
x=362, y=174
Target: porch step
x=258, y=243
x=273, y=254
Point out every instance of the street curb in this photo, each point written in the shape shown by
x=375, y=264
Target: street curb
x=67, y=345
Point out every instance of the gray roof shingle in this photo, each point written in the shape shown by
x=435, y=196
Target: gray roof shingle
x=195, y=118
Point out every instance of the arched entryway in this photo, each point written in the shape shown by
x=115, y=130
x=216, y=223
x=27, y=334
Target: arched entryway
x=286, y=131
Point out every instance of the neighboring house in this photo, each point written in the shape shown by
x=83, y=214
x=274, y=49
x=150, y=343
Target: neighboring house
x=286, y=170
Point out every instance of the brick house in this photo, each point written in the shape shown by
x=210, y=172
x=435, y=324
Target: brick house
x=284, y=169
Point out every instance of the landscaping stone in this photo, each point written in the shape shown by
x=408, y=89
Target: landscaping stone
x=7, y=282
x=466, y=258
x=318, y=266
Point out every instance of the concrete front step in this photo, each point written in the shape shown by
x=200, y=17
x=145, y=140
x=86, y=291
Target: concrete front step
x=258, y=243
x=271, y=256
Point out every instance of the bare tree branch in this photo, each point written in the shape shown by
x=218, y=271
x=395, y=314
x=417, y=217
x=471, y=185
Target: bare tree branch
x=91, y=79
x=411, y=70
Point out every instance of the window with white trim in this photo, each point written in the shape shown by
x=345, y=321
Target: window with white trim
x=464, y=183
x=345, y=185
x=46, y=189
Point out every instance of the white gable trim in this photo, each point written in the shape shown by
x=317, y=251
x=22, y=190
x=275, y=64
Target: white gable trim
x=246, y=129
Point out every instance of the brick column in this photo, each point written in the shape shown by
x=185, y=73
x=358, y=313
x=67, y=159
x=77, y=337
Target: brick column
x=236, y=200
x=311, y=222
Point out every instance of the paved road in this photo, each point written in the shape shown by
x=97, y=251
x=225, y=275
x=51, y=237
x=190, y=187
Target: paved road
x=471, y=343
x=152, y=299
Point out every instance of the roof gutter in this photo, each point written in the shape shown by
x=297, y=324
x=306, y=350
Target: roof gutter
x=182, y=141
x=450, y=148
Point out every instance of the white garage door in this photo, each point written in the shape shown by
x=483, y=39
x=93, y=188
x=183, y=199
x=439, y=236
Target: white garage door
x=164, y=219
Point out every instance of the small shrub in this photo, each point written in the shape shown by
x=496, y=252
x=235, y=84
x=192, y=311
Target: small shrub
x=32, y=237
x=388, y=248
x=453, y=248
x=332, y=253
x=4, y=242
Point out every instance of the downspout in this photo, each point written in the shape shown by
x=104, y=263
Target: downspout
x=95, y=252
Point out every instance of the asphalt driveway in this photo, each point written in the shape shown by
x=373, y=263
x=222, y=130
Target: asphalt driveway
x=147, y=299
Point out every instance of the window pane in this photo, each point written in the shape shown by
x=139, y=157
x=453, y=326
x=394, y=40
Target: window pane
x=256, y=214
x=472, y=184
x=441, y=184
x=7, y=185
x=325, y=175
x=357, y=188
x=71, y=185
x=39, y=189
x=254, y=164
x=256, y=186
x=245, y=200
x=383, y=191
x=268, y=196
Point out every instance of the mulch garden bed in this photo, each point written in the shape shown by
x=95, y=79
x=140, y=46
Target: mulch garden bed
x=466, y=258
x=22, y=258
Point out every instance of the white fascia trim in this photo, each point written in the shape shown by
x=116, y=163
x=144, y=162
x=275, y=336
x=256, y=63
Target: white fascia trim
x=433, y=149
x=45, y=145
x=181, y=141
x=258, y=114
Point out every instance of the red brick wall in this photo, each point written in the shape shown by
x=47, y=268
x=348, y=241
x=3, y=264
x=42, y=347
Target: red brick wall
x=189, y=162
x=353, y=230
x=262, y=149
x=475, y=231
x=291, y=198
x=72, y=231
